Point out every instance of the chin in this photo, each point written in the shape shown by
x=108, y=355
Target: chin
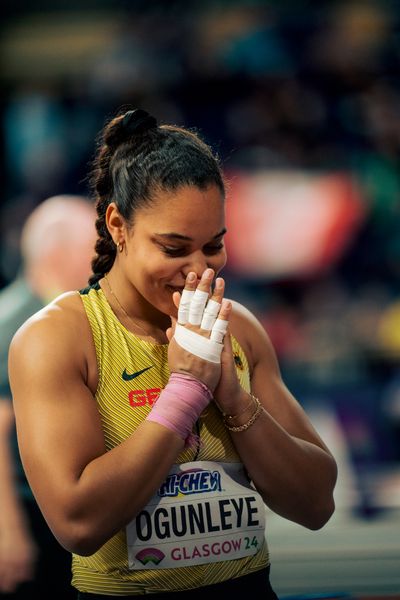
x=167, y=302
x=167, y=307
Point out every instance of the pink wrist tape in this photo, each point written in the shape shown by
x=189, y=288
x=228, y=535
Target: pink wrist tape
x=180, y=404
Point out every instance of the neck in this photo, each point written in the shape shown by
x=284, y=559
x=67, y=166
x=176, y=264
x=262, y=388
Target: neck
x=144, y=320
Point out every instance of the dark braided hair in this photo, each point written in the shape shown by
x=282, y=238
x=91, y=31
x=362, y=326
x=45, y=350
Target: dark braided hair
x=137, y=159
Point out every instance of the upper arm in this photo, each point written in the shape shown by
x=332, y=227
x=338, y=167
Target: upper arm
x=266, y=380
x=58, y=425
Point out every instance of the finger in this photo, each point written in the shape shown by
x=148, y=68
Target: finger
x=191, y=280
x=206, y=280
x=219, y=289
x=226, y=310
x=200, y=297
x=221, y=324
x=210, y=315
x=197, y=305
x=185, y=298
x=213, y=305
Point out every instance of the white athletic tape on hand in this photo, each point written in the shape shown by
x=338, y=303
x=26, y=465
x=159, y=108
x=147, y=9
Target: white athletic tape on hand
x=218, y=331
x=184, y=306
x=197, y=344
x=197, y=304
x=210, y=315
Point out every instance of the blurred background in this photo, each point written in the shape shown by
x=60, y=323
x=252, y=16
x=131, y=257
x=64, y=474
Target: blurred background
x=301, y=100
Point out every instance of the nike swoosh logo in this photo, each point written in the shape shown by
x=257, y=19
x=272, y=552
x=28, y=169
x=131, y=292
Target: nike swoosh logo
x=129, y=376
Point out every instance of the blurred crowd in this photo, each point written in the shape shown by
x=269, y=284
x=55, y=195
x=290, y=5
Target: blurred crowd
x=310, y=86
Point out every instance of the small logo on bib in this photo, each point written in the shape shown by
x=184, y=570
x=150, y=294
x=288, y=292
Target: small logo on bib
x=150, y=555
x=193, y=481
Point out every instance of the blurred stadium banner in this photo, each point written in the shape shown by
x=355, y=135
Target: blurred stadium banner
x=290, y=223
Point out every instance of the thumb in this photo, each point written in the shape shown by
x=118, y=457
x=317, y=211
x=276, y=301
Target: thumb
x=176, y=297
x=227, y=351
x=171, y=330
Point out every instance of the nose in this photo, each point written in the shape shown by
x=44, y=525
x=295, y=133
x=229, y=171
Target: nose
x=198, y=263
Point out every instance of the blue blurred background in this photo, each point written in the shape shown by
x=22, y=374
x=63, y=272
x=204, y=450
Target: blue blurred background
x=301, y=100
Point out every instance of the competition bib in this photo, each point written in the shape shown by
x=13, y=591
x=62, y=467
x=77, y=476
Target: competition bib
x=203, y=512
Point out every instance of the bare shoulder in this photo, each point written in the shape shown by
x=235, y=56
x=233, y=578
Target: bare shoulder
x=57, y=331
x=251, y=335
x=64, y=315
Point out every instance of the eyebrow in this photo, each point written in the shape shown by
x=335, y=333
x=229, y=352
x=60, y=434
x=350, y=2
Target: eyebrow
x=185, y=238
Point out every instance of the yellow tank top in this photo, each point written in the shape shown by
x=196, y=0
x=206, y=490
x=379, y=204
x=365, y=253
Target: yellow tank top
x=131, y=374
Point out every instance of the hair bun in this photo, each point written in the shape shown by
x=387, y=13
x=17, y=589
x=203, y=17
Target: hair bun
x=133, y=122
x=138, y=120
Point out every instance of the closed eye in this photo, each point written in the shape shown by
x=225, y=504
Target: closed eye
x=209, y=249
x=171, y=251
x=213, y=249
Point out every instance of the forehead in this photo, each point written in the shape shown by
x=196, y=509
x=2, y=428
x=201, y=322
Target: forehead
x=185, y=211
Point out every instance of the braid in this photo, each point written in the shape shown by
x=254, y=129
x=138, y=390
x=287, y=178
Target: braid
x=102, y=184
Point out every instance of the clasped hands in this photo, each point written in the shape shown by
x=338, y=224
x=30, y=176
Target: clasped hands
x=197, y=335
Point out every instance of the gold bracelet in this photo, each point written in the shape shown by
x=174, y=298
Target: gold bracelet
x=250, y=422
x=226, y=416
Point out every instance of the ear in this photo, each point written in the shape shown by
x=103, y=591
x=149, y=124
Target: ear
x=115, y=223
